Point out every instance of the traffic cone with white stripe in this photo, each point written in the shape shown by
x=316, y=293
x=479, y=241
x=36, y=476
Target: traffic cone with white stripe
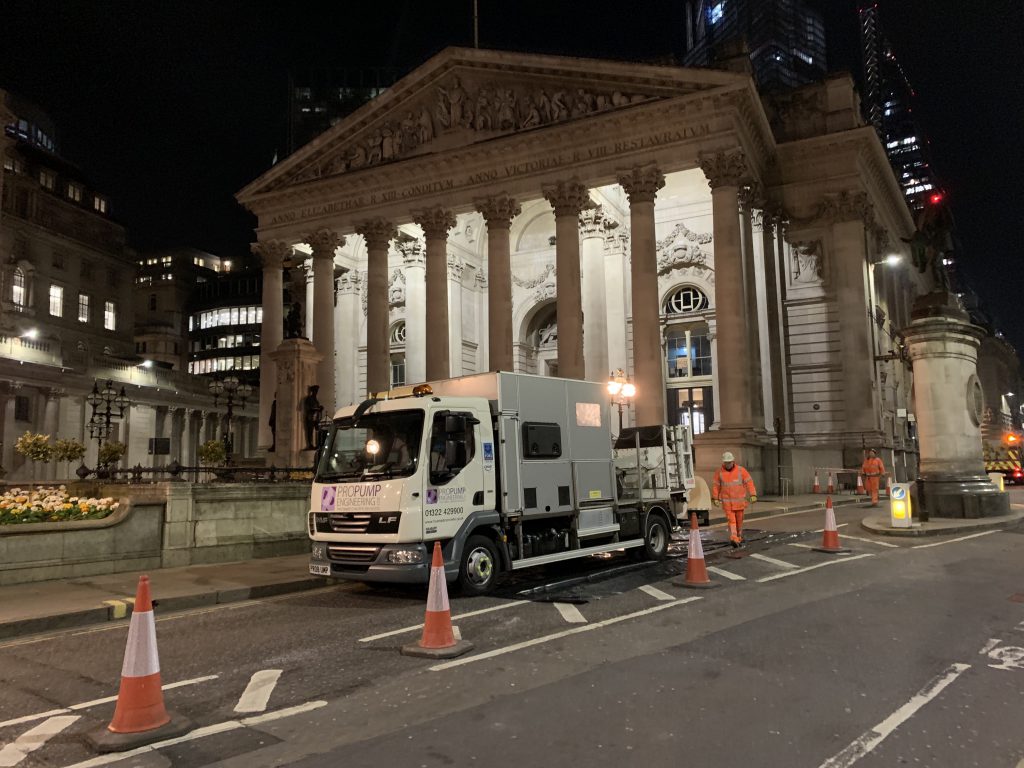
x=139, y=715
x=817, y=485
x=696, y=569
x=830, y=536
x=438, y=640
x=860, y=485
x=831, y=486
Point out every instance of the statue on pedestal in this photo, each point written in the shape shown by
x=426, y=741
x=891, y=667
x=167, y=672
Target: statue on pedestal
x=311, y=412
x=294, y=322
x=931, y=242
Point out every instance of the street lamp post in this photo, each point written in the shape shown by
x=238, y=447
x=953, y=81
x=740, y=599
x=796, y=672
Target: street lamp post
x=621, y=390
x=234, y=393
x=107, y=404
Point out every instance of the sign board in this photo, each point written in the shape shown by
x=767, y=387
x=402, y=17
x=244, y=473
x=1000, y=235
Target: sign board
x=900, y=512
x=160, y=446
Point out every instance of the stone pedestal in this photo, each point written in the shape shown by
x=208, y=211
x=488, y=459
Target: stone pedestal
x=296, y=362
x=948, y=403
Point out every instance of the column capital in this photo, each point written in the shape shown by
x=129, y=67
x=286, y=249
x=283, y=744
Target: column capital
x=411, y=249
x=568, y=198
x=498, y=211
x=455, y=268
x=848, y=205
x=435, y=222
x=324, y=242
x=595, y=223
x=724, y=169
x=272, y=253
x=377, y=232
x=55, y=393
x=641, y=182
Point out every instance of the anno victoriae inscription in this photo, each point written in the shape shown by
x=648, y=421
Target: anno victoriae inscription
x=507, y=171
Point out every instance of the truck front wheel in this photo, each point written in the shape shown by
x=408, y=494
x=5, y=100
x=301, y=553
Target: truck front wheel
x=656, y=537
x=478, y=570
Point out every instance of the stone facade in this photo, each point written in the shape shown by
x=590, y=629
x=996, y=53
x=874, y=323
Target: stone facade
x=727, y=254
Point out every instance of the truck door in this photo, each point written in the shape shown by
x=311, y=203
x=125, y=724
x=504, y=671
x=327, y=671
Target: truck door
x=510, y=493
x=454, y=480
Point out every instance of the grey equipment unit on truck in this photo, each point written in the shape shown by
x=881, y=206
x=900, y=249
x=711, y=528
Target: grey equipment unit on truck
x=506, y=470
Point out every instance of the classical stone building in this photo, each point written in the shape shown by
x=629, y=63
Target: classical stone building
x=500, y=211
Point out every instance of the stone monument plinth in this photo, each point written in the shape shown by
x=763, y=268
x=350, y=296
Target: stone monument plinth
x=296, y=361
x=949, y=405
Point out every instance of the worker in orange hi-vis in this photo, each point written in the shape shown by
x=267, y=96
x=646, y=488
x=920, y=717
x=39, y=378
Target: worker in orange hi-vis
x=730, y=489
x=873, y=469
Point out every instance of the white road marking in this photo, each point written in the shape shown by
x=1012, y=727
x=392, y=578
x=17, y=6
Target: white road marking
x=727, y=574
x=802, y=546
x=773, y=561
x=656, y=593
x=874, y=736
x=869, y=541
x=571, y=613
x=841, y=525
x=18, y=750
x=198, y=733
x=97, y=702
x=952, y=541
x=989, y=646
x=456, y=632
x=558, y=635
x=403, y=630
x=783, y=575
x=257, y=692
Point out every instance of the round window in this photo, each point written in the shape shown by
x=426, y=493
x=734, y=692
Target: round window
x=685, y=300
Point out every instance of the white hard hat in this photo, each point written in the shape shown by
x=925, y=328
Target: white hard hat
x=727, y=457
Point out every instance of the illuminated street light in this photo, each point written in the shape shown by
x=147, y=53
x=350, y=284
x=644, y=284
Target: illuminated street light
x=893, y=259
x=234, y=393
x=104, y=404
x=622, y=390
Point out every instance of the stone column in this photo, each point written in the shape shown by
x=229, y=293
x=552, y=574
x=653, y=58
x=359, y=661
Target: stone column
x=770, y=234
x=347, y=320
x=568, y=198
x=411, y=249
x=51, y=412
x=725, y=172
x=177, y=430
x=272, y=254
x=377, y=233
x=435, y=223
x=324, y=242
x=641, y=185
x=949, y=405
x=616, y=290
x=753, y=258
x=455, y=270
x=595, y=312
x=498, y=212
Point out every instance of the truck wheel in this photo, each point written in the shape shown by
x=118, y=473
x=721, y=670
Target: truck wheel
x=656, y=537
x=478, y=570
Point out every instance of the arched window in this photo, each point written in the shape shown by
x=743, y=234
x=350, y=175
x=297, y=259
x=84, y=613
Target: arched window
x=18, y=293
x=398, y=354
x=684, y=300
x=398, y=333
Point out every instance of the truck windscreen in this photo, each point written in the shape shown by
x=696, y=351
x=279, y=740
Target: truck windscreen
x=379, y=445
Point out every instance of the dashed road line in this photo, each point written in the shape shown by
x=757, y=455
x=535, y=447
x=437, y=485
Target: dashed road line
x=18, y=750
x=656, y=593
x=953, y=541
x=992, y=643
x=456, y=632
x=869, y=541
x=872, y=737
x=97, y=702
x=571, y=613
x=802, y=546
x=773, y=561
x=403, y=630
x=257, y=692
x=198, y=733
x=783, y=575
x=725, y=573
x=557, y=635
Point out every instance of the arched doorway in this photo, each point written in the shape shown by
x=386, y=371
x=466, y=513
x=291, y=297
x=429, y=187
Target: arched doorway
x=688, y=375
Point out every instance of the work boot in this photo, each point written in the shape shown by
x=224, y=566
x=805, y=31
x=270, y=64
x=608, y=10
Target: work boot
x=734, y=543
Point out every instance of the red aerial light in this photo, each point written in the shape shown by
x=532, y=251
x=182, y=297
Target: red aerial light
x=935, y=198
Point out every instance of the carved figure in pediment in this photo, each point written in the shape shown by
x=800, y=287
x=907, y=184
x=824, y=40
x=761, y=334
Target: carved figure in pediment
x=373, y=147
x=584, y=103
x=484, y=119
x=396, y=289
x=807, y=262
x=544, y=106
x=506, y=102
x=453, y=111
x=601, y=102
x=357, y=156
x=531, y=113
x=387, y=142
x=425, y=127
x=619, y=99
x=559, y=109
x=409, y=136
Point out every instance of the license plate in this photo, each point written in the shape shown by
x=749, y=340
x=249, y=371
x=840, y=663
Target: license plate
x=320, y=569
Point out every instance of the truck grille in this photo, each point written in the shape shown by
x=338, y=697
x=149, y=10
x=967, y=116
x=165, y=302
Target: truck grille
x=353, y=553
x=350, y=522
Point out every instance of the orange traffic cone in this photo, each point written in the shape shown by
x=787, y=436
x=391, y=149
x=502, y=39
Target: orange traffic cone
x=817, y=485
x=860, y=485
x=696, y=570
x=438, y=641
x=830, y=536
x=139, y=715
x=831, y=486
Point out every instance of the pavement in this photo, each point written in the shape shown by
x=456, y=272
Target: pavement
x=59, y=604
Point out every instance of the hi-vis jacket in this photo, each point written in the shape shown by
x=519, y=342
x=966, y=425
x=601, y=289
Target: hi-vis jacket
x=872, y=467
x=732, y=487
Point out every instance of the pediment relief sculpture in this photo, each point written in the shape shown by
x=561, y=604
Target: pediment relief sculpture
x=807, y=262
x=681, y=250
x=457, y=105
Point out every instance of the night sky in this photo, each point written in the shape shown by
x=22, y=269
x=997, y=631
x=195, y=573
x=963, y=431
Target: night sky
x=171, y=107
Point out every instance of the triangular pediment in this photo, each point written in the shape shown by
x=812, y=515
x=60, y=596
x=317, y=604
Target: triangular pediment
x=463, y=96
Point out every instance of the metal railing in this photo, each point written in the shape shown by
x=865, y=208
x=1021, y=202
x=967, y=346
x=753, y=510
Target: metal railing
x=178, y=472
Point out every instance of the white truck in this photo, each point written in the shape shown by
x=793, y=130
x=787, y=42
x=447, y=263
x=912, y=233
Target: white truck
x=506, y=470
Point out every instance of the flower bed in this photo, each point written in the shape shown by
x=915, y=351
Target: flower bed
x=48, y=505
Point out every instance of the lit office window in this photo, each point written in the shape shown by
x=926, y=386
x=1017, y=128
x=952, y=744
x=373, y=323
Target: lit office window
x=18, y=289
x=83, y=308
x=56, y=301
x=47, y=180
x=109, y=316
x=99, y=204
x=74, y=193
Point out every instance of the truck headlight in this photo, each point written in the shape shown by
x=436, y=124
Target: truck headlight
x=405, y=556
x=319, y=552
